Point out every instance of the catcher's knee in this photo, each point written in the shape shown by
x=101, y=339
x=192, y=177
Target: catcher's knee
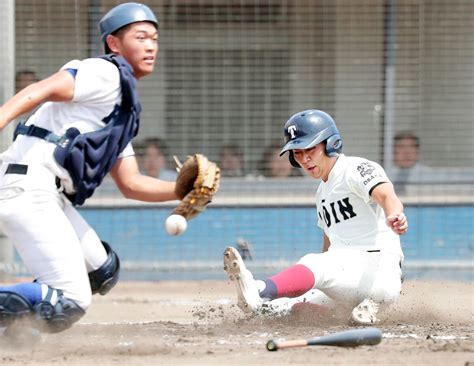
x=104, y=278
x=45, y=316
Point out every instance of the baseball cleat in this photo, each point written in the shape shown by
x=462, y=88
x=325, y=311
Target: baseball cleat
x=248, y=298
x=365, y=312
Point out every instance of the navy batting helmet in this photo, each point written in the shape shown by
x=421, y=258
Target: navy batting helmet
x=122, y=15
x=306, y=129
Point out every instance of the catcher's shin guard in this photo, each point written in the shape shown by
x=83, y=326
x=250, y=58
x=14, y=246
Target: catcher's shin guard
x=13, y=307
x=104, y=278
x=55, y=318
x=44, y=316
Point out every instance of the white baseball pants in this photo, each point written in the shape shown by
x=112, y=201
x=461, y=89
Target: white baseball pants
x=56, y=244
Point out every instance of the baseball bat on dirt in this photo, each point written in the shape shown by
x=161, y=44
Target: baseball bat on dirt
x=347, y=338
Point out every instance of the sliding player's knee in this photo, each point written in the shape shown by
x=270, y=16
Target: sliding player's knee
x=309, y=260
x=104, y=278
x=316, y=263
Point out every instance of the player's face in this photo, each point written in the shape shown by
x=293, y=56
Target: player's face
x=138, y=44
x=314, y=161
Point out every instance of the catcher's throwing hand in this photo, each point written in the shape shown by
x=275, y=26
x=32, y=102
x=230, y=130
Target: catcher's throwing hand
x=398, y=223
x=197, y=182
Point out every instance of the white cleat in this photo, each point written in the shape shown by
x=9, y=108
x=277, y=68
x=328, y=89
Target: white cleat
x=249, y=299
x=366, y=312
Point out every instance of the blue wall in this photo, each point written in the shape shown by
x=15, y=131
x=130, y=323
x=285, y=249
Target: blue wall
x=436, y=232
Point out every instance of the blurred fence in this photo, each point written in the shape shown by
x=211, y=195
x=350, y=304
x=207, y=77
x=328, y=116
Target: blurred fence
x=230, y=73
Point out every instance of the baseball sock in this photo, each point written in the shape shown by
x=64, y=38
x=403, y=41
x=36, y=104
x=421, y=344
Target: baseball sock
x=291, y=282
x=31, y=291
x=34, y=292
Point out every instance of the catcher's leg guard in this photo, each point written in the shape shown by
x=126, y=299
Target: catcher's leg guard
x=58, y=317
x=44, y=315
x=104, y=278
x=13, y=307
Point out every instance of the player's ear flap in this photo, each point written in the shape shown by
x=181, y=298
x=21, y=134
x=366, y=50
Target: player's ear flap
x=333, y=145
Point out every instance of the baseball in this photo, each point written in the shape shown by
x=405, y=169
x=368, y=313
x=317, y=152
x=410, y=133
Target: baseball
x=175, y=225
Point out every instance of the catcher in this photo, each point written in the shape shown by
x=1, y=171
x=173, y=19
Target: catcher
x=87, y=115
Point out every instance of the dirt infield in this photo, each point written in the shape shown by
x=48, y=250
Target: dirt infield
x=197, y=323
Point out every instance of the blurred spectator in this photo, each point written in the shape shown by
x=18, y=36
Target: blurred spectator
x=153, y=159
x=231, y=161
x=406, y=147
x=406, y=165
x=23, y=78
x=273, y=165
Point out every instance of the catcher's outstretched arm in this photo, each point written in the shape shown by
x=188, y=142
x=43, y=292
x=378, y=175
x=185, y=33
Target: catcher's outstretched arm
x=137, y=186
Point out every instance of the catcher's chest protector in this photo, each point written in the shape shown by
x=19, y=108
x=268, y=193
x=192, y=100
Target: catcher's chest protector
x=88, y=157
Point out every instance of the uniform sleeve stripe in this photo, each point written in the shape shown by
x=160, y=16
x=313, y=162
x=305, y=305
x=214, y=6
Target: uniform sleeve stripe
x=73, y=72
x=371, y=189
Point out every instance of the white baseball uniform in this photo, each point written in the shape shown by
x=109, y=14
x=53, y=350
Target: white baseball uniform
x=365, y=255
x=56, y=244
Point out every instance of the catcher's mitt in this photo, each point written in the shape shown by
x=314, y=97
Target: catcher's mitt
x=197, y=182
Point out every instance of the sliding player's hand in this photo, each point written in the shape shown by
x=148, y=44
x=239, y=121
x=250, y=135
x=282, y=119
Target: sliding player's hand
x=398, y=223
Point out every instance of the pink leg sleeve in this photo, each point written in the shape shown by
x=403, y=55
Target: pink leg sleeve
x=293, y=281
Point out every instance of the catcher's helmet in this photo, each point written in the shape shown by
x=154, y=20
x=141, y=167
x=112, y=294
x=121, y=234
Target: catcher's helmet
x=307, y=129
x=122, y=15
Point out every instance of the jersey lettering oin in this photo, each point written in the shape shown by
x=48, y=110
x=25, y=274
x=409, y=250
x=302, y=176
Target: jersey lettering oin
x=337, y=211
